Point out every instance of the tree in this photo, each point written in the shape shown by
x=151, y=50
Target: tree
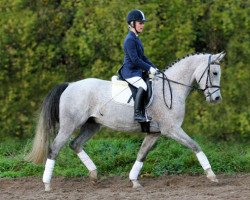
x=45, y=42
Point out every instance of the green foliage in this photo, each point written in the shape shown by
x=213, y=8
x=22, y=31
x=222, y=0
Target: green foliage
x=114, y=156
x=46, y=42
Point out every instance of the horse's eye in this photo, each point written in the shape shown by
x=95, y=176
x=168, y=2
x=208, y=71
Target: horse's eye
x=215, y=73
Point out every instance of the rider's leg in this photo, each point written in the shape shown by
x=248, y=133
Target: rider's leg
x=139, y=98
x=141, y=86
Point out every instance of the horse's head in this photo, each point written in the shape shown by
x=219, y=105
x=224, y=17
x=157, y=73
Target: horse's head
x=208, y=77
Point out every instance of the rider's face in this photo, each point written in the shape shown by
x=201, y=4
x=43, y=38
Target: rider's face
x=139, y=26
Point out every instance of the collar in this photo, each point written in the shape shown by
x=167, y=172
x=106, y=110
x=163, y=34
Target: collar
x=133, y=34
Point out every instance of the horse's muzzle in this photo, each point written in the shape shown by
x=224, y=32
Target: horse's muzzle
x=217, y=99
x=214, y=97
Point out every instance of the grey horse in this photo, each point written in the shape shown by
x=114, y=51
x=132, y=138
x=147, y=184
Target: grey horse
x=87, y=105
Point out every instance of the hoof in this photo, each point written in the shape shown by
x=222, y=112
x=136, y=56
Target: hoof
x=47, y=187
x=93, y=175
x=213, y=179
x=136, y=184
x=211, y=176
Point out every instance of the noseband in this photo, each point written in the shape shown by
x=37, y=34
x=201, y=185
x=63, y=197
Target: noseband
x=208, y=85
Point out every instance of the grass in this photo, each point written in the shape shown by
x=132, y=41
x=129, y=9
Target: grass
x=115, y=156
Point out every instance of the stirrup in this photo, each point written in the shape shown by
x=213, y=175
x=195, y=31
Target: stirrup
x=140, y=118
x=149, y=118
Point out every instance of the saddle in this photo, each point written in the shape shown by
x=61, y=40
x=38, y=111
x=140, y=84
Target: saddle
x=124, y=93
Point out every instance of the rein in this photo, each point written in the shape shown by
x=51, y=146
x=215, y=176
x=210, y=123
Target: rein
x=208, y=81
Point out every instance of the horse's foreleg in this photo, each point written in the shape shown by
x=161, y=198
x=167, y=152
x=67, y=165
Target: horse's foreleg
x=180, y=136
x=147, y=144
x=87, y=131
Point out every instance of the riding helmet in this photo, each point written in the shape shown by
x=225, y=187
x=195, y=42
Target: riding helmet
x=136, y=15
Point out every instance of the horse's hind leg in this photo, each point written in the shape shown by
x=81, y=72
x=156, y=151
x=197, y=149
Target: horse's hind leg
x=87, y=131
x=60, y=140
x=180, y=136
x=147, y=144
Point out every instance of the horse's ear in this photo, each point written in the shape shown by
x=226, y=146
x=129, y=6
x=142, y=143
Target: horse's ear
x=218, y=57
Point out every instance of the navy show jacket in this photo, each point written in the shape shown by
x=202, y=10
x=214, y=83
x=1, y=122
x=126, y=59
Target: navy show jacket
x=134, y=59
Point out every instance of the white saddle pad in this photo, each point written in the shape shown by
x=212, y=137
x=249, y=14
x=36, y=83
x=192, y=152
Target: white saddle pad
x=121, y=92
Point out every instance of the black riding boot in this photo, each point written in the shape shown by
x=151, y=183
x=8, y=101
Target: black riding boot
x=139, y=115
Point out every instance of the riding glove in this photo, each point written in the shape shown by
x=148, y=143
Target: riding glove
x=153, y=70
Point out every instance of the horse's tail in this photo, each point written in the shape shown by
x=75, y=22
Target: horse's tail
x=48, y=118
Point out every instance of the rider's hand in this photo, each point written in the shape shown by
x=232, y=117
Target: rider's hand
x=153, y=70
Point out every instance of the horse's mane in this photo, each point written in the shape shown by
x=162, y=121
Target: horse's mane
x=183, y=58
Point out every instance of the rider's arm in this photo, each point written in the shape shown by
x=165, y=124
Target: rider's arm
x=145, y=59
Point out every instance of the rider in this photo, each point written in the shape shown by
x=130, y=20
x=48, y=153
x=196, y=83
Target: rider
x=135, y=62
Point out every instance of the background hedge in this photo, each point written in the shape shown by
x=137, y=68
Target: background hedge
x=46, y=42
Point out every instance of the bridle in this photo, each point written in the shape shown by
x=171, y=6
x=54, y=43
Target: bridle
x=208, y=85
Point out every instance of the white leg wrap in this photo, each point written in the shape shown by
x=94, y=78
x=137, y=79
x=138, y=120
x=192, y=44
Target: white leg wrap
x=86, y=161
x=49, y=166
x=133, y=175
x=203, y=160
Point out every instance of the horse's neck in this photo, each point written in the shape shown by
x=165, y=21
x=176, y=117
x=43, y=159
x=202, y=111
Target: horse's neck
x=183, y=72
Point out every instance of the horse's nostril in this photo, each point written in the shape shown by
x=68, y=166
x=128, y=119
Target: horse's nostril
x=217, y=98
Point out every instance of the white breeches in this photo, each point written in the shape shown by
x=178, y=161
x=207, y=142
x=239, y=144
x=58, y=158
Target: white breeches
x=137, y=82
